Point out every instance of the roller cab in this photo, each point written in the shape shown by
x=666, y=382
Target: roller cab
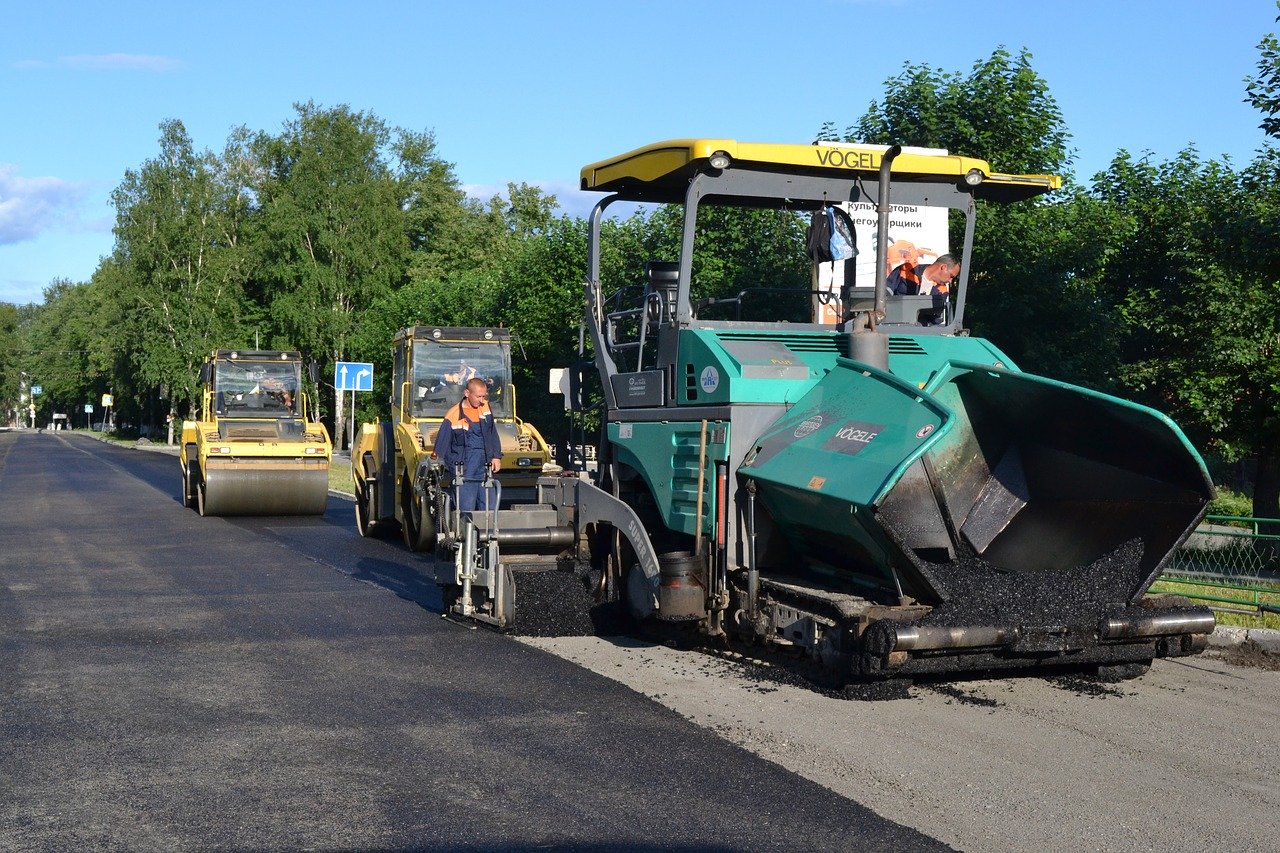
x=254, y=451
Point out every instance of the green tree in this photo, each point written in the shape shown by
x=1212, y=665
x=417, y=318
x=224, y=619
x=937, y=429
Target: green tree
x=68, y=351
x=179, y=269
x=735, y=250
x=1263, y=91
x=441, y=223
x=10, y=370
x=540, y=298
x=460, y=285
x=466, y=299
x=343, y=201
x=1200, y=326
x=1001, y=111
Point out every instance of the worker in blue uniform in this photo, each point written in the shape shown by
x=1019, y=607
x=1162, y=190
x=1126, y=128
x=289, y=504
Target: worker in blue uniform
x=469, y=436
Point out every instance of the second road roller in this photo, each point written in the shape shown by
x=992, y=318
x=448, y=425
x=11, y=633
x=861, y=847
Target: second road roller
x=391, y=460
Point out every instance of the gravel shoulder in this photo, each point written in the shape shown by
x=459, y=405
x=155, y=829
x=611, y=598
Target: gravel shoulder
x=1181, y=755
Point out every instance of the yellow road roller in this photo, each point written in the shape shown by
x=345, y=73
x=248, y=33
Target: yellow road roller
x=254, y=451
x=390, y=461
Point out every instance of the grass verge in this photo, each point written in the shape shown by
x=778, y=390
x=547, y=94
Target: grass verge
x=340, y=475
x=1235, y=597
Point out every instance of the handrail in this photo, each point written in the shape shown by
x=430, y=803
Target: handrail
x=652, y=299
x=1252, y=521
x=824, y=296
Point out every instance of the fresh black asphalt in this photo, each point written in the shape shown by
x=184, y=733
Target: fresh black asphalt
x=175, y=682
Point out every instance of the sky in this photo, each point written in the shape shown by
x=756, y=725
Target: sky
x=532, y=91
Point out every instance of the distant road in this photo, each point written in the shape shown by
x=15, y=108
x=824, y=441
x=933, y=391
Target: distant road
x=175, y=682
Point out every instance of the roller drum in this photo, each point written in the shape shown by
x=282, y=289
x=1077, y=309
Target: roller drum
x=266, y=488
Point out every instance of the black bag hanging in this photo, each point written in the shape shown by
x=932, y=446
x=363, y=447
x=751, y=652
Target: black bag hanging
x=818, y=239
x=830, y=236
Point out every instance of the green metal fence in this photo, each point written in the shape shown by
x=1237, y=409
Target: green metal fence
x=1231, y=566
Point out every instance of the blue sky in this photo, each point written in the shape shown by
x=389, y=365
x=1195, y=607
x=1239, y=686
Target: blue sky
x=532, y=91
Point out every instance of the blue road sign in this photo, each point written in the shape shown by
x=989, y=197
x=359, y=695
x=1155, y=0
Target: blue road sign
x=353, y=376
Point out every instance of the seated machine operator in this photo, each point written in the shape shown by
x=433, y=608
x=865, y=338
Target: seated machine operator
x=464, y=374
x=918, y=279
x=910, y=279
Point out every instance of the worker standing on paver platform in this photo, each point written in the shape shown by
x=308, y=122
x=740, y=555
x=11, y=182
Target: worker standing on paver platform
x=469, y=437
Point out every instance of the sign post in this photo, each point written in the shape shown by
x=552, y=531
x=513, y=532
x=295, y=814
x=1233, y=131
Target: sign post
x=352, y=376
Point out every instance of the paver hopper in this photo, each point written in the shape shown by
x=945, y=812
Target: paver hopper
x=1014, y=520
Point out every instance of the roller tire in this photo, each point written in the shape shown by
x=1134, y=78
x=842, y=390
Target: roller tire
x=188, y=492
x=200, y=504
x=363, y=524
x=419, y=527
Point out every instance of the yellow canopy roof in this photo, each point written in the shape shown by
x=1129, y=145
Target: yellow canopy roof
x=661, y=171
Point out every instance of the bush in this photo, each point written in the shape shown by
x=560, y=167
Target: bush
x=1228, y=502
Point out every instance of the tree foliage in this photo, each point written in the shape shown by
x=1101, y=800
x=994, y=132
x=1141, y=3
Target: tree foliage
x=1199, y=285
x=343, y=204
x=331, y=235
x=69, y=356
x=10, y=369
x=179, y=265
x=1001, y=110
x=1263, y=91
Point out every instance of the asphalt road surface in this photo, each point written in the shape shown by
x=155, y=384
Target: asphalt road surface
x=281, y=683
x=175, y=682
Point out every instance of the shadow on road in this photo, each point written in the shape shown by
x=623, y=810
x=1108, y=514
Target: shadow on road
x=408, y=582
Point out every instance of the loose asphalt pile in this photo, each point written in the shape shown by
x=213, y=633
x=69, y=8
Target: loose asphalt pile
x=553, y=602
x=978, y=593
x=1251, y=654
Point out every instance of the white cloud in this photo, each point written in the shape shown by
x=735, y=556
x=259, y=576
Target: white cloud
x=121, y=62
x=30, y=206
x=484, y=192
x=103, y=62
